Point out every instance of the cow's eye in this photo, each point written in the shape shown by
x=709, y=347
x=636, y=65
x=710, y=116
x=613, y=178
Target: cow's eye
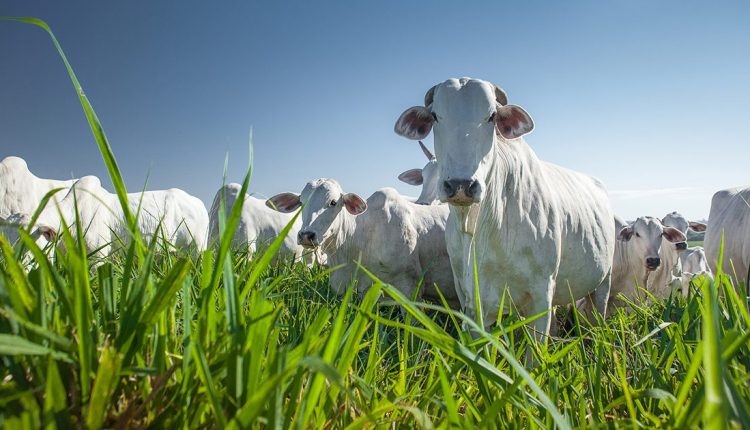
x=637, y=235
x=492, y=117
x=434, y=116
x=333, y=203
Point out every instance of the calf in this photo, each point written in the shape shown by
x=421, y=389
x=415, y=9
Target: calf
x=637, y=256
x=670, y=273
x=397, y=240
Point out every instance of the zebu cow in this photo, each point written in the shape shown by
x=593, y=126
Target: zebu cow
x=21, y=191
x=672, y=253
x=638, y=255
x=675, y=257
x=258, y=224
x=172, y=214
x=397, y=240
x=538, y=230
x=694, y=261
x=426, y=177
x=730, y=215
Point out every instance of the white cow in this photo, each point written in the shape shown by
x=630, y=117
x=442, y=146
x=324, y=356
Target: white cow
x=538, y=230
x=694, y=261
x=9, y=226
x=258, y=223
x=426, y=177
x=172, y=214
x=397, y=240
x=21, y=191
x=638, y=255
x=671, y=274
x=730, y=215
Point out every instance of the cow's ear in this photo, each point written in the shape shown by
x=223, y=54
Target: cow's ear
x=48, y=232
x=625, y=233
x=412, y=177
x=512, y=121
x=673, y=235
x=284, y=202
x=415, y=123
x=697, y=226
x=354, y=203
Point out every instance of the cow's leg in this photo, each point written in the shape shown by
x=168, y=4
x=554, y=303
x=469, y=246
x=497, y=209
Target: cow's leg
x=541, y=301
x=599, y=298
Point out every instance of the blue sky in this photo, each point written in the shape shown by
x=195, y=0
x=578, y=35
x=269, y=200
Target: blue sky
x=650, y=97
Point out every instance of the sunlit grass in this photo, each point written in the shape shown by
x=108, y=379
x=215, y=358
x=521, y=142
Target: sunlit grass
x=151, y=339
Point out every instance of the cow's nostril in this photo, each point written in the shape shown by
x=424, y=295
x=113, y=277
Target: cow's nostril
x=472, y=189
x=653, y=262
x=449, y=189
x=305, y=237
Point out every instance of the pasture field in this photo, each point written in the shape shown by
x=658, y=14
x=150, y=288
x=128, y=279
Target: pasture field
x=156, y=339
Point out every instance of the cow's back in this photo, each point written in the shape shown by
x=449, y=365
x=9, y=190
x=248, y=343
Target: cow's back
x=730, y=215
x=263, y=225
x=258, y=225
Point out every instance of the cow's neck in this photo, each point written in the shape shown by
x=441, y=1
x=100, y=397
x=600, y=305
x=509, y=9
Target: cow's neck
x=512, y=184
x=340, y=242
x=633, y=267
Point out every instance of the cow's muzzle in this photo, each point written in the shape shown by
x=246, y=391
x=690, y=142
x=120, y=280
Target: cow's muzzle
x=681, y=246
x=307, y=239
x=652, y=263
x=461, y=192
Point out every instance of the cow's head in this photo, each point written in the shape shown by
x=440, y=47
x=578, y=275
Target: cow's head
x=322, y=214
x=645, y=236
x=468, y=117
x=427, y=177
x=676, y=220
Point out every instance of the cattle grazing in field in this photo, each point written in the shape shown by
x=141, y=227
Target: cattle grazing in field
x=426, y=177
x=539, y=231
x=730, y=216
x=258, y=224
x=171, y=214
x=397, y=240
x=21, y=191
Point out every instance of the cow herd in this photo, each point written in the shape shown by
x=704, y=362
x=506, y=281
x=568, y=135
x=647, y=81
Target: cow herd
x=492, y=219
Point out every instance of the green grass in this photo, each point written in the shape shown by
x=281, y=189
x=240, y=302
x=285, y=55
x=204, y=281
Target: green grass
x=151, y=339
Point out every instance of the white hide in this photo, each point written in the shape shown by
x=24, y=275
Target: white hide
x=694, y=261
x=730, y=215
x=540, y=231
x=670, y=272
x=397, y=240
x=258, y=224
x=21, y=191
x=183, y=218
x=631, y=273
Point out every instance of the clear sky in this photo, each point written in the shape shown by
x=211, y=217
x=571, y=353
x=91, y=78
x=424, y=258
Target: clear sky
x=651, y=97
